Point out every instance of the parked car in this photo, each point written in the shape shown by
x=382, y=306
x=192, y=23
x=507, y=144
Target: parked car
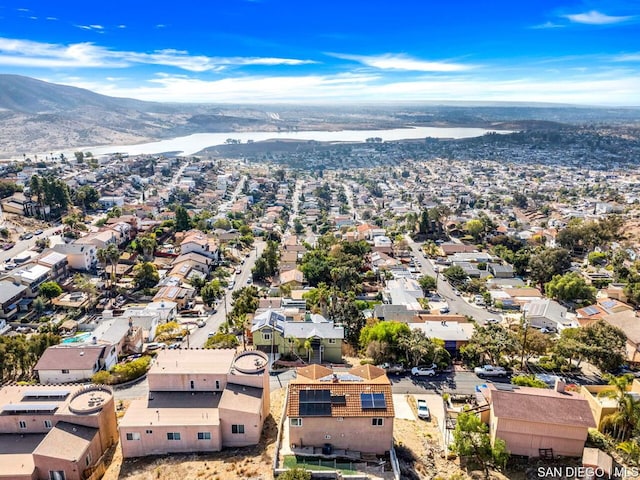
x=8, y=246
x=490, y=321
x=444, y=310
x=201, y=323
x=392, y=368
x=423, y=410
x=38, y=232
x=156, y=346
x=490, y=371
x=211, y=334
x=423, y=371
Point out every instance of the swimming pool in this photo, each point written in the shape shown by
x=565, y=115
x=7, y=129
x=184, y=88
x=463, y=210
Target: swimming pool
x=81, y=337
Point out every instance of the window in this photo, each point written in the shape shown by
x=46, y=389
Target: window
x=22, y=424
x=204, y=435
x=237, y=428
x=266, y=336
x=296, y=422
x=217, y=384
x=57, y=475
x=173, y=436
x=87, y=460
x=192, y=384
x=332, y=340
x=148, y=432
x=48, y=424
x=65, y=371
x=133, y=436
x=377, y=422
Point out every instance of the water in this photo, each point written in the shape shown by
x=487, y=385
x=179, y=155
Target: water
x=192, y=144
x=80, y=338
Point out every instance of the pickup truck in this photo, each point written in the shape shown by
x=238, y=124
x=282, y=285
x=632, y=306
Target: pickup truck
x=490, y=371
x=423, y=410
x=391, y=368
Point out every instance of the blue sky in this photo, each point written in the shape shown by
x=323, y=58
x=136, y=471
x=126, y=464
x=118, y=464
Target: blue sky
x=309, y=51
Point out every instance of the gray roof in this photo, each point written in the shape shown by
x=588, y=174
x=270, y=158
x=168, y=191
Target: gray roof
x=112, y=331
x=311, y=329
x=449, y=331
x=8, y=290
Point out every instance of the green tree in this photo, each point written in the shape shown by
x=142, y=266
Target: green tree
x=183, y=222
x=624, y=421
x=471, y=440
x=145, y=275
x=211, y=292
x=50, y=290
x=222, y=340
x=147, y=244
x=427, y=283
x=455, y=274
x=528, y=381
x=604, y=345
x=570, y=287
x=474, y=227
x=346, y=312
x=547, y=263
x=490, y=343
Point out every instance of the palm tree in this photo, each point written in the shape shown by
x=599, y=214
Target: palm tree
x=623, y=421
x=109, y=255
x=148, y=245
x=631, y=451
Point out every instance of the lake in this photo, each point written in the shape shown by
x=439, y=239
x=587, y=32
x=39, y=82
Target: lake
x=190, y=144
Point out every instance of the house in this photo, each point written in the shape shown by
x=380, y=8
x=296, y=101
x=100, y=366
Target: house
x=293, y=277
x=31, y=276
x=342, y=410
x=57, y=262
x=11, y=292
x=534, y=420
x=546, y=313
x=382, y=244
x=454, y=334
x=198, y=401
x=68, y=363
x=601, y=404
x=181, y=296
x=500, y=271
x=198, y=242
x=79, y=256
x=101, y=239
x=628, y=322
x=111, y=201
x=20, y=204
x=271, y=332
x=49, y=432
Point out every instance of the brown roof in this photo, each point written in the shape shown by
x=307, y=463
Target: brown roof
x=540, y=406
x=368, y=372
x=313, y=372
x=66, y=441
x=628, y=322
x=241, y=398
x=351, y=392
x=69, y=357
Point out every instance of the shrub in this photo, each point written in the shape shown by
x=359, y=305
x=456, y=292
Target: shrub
x=528, y=381
x=102, y=378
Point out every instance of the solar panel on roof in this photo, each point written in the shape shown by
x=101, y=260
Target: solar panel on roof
x=591, y=310
x=315, y=409
x=608, y=304
x=27, y=408
x=338, y=400
x=322, y=396
x=372, y=400
x=45, y=393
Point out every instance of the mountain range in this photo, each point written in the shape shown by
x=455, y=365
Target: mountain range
x=38, y=117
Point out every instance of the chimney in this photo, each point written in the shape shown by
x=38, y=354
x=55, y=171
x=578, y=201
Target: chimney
x=335, y=378
x=560, y=385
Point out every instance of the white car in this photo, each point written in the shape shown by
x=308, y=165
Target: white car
x=423, y=371
x=490, y=321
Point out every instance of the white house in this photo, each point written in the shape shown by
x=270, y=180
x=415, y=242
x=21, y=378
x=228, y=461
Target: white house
x=74, y=363
x=80, y=256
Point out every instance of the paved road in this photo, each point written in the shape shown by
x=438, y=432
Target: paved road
x=199, y=336
x=23, y=245
x=456, y=303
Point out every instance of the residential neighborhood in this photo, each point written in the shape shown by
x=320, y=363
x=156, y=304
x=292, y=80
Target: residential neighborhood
x=309, y=317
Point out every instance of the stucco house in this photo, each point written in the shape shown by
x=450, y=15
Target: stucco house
x=534, y=420
x=11, y=292
x=603, y=405
x=67, y=363
x=55, y=433
x=198, y=401
x=346, y=410
x=272, y=332
x=79, y=256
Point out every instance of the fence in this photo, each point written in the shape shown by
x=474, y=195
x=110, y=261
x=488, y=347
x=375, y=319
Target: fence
x=395, y=465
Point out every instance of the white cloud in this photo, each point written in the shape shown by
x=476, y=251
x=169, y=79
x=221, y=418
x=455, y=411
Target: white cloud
x=610, y=88
x=402, y=62
x=15, y=52
x=547, y=25
x=594, y=17
x=627, y=57
x=97, y=28
x=52, y=18
x=122, y=26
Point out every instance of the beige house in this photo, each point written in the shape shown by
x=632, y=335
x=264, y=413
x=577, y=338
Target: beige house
x=348, y=410
x=55, y=433
x=603, y=405
x=533, y=421
x=199, y=401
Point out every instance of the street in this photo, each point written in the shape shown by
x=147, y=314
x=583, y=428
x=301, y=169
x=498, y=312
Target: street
x=198, y=336
x=457, y=304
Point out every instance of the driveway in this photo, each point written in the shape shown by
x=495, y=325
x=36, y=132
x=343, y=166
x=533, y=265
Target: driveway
x=402, y=407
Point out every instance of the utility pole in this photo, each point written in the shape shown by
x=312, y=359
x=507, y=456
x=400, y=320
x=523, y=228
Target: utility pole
x=525, y=326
